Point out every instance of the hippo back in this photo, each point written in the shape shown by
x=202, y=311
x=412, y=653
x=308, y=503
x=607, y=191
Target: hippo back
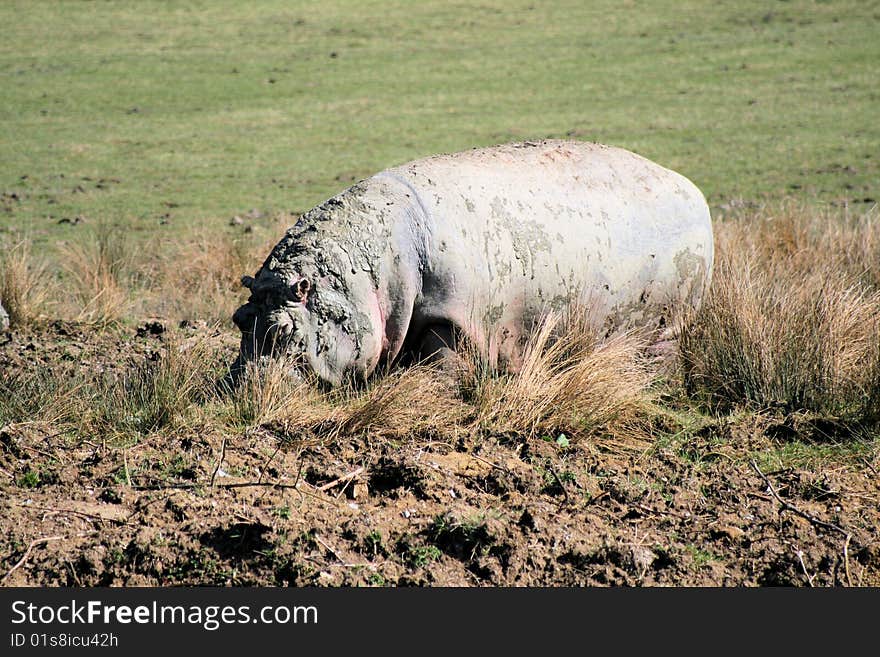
x=517, y=229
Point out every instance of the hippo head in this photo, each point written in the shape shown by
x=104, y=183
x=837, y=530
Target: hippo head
x=304, y=320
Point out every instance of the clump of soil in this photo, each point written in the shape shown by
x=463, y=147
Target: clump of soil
x=267, y=506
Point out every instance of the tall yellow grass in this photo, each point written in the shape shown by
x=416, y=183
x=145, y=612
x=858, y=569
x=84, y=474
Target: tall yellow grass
x=569, y=382
x=98, y=276
x=792, y=321
x=198, y=278
x=414, y=402
x=24, y=288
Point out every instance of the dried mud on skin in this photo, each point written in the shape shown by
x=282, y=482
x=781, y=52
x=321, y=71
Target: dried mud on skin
x=433, y=511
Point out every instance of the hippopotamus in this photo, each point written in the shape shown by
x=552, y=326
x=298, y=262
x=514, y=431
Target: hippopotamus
x=477, y=246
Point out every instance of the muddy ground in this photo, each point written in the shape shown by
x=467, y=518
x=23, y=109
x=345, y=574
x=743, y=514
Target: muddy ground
x=263, y=507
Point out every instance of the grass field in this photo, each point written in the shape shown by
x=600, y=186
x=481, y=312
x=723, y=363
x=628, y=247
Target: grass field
x=173, y=113
x=133, y=132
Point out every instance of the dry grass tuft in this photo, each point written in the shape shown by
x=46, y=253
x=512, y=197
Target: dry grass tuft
x=99, y=271
x=200, y=277
x=23, y=284
x=150, y=396
x=109, y=278
x=407, y=402
x=808, y=239
x=792, y=321
x=413, y=402
x=569, y=382
x=266, y=392
x=45, y=396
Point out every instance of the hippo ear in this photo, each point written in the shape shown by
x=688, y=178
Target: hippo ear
x=301, y=289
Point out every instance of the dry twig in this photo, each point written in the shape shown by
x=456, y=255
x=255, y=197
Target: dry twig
x=346, y=477
x=125, y=466
x=558, y=481
x=34, y=543
x=269, y=460
x=219, y=461
x=800, y=556
x=791, y=507
x=846, y=560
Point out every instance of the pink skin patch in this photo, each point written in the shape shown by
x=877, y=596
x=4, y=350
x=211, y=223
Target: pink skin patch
x=377, y=308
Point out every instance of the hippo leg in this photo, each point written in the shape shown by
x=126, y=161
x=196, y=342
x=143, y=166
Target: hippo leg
x=438, y=347
x=663, y=354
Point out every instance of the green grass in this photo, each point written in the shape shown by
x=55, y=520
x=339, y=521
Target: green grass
x=816, y=455
x=419, y=556
x=163, y=115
